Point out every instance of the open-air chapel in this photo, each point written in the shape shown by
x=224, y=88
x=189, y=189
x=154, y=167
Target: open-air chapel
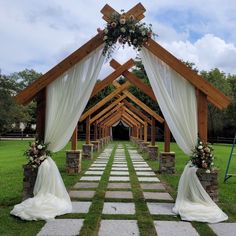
x=62, y=95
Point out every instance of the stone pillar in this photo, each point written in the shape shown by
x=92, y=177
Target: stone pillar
x=209, y=182
x=96, y=145
x=153, y=152
x=30, y=175
x=145, y=146
x=73, y=162
x=167, y=163
x=87, y=152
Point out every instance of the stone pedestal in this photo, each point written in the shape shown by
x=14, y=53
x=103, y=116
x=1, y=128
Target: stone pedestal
x=209, y=182
x=96, y=146
x=73, y=161
x=167, y=163
x=153, y=152
x=29, y=178
x=145, y=146
x=87, y=152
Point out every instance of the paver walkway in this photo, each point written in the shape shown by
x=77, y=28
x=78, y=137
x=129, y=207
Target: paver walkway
x=120, y=195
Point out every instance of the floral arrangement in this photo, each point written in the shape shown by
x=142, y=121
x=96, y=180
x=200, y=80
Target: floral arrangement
x=125, y=29
x=37, y=153
x=202, y=156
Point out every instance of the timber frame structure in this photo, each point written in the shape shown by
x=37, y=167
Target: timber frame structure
x=121, y=109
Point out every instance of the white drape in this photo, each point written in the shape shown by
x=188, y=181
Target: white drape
x=67, y=97
x=177, y=100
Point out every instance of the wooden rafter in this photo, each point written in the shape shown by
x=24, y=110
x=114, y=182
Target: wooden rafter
x=129, y=117
x=134, y=115
x=118, y=112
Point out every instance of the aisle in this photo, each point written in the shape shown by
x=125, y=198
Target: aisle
x=119, y=195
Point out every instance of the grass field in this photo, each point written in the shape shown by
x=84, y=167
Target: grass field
x=11, y=161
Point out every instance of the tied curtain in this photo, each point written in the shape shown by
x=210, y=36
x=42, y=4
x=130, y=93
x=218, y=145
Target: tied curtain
x=177, y=100
x=67, y=97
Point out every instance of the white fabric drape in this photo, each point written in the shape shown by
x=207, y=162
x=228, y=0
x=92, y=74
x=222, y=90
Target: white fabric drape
x=177, y=100
x=67, y=97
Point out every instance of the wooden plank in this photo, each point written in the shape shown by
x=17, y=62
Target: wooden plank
x=87, y=130
x=108, y=108
x=153, y=132
x=135, y=116
x=138, y=112
x=166, y=138
x=104, y=101
x=216, y=96
x=107, y=11
x=114, y=75
x=74, y=139
x=202, y=116
x=41, y=114
x=135, y=80
x=26, y=95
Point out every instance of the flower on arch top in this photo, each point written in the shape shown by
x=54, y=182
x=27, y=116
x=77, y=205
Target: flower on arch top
x=123, y=28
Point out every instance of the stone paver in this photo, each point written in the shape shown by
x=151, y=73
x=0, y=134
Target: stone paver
x=82, y=194
x=119, y=178
x=98, y=165
x=119, y=173
x=65, y=227
x=91, y=178
x=157, y=196
x=93, y=172
x=157, y=186
x=118, y=228
x=115, y=208
x=118, y=185
x=224, y=229
x=176, y=228
x=120, y=168
x=80, y=207
x=143, y=173
x=119, y=194
x=157, y=208
x=142, y=168
x=148, y=179
x=97, y=168
x=85, y=185
x=119, y=165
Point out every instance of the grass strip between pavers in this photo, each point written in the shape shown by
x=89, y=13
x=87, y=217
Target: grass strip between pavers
x=92, y=219
x=145, y=222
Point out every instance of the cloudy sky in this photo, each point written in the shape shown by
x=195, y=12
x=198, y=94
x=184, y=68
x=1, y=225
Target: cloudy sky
x=38, y=34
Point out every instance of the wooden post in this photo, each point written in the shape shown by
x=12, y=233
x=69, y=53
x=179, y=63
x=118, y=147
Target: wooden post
x=202, y=115
x=141, y=133
x=145, y=131
x=153, y=133
x=87, y=130
x=166, y=137
x=41, y=114
x=74, y=139
x=95, y=131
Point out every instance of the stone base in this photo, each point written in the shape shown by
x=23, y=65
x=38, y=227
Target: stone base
x=144, y=146
x=96, y=146
x=153, y=152
x=209, y=182
x=73, y=162
x=30, y=175
x=87, y=152
x=167, y=163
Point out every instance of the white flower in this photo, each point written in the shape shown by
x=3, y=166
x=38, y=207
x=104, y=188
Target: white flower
x=105, y=31
x=40, y=146
x=122, y=21
x=31, y=158
x=122, y=29
x=200, y=143
x=42, y=158
x=212, y=164
x=200, y=147
x=105, y=38
x=143, y=33
x=208, y=171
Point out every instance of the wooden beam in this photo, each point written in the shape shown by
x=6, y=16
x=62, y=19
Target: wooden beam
x=129, y=117
x=41, y=114
x=215, y=96
x=141, y=133
x=104, y=101
x=108, y=108
x=74, y=139
x=135, y=116
x=127, y=122
x=87, y=130
x=166, y=137
x=202, y=116
x=114, y=75
x=153, y=132
x=26, y=95
x=118, y=112
x=145, y=132
x=135, y=80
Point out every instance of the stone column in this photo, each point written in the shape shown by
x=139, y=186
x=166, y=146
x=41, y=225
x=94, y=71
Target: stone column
x=96, y=145
x=73, y=162
x=87, y=152
x=153, y=152
x=167, y=163
x=30, y=175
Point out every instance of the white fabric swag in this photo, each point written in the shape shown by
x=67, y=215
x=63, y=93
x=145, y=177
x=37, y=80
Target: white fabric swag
x=67, y=97
x=177, y=100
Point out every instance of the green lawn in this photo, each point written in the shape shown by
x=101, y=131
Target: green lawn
x=11, y=161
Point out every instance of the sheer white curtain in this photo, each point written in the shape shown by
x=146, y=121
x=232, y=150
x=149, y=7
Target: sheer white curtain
x=67, y=97
x=177, y=100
